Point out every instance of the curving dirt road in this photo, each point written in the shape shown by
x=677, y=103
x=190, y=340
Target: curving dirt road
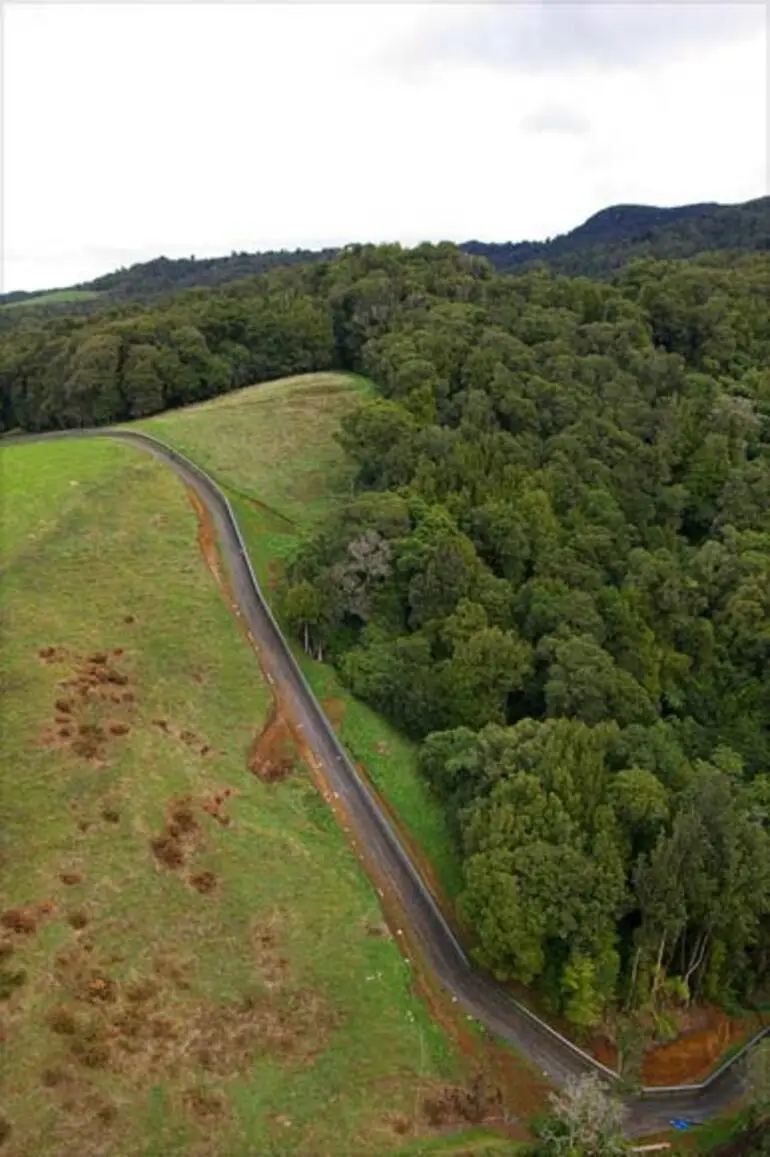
x=558, y=1058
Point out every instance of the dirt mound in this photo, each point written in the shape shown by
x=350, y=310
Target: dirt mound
x=213, y=804
x=147, y=1027
x=80, y=722
x=203, y=882
x=53, y=655
x=21, y=920
x=77, y=918
x=272, y=966
x=185, y=736
x=182, y=836
x=274, y=753
x=25, y=921
x=455, y=1104
x=174, y=846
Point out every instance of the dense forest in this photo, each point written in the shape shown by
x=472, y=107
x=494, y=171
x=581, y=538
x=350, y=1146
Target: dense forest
x=597, y=248
x=554, y=574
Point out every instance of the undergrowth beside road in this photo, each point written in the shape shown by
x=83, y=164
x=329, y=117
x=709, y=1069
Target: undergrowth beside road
x=192, y=959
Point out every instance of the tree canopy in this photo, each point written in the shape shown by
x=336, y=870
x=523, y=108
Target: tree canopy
x=554, y=573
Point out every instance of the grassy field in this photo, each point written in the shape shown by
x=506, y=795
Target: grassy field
x=273, y=442
x=272, y=449
x=191, y=960
x=55, y=297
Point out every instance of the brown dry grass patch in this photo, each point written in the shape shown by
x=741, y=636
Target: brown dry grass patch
x=273, y=966
x=334, y=710
x=205, y=1105
x=457, y=1104
x=214, y=802
x=152, y=1027
x=185, y=736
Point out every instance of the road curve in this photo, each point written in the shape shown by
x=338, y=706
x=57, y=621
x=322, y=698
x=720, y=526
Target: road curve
x=483, y=998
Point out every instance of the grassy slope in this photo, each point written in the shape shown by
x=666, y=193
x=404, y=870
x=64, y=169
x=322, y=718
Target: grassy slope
x=77, y=560
x=273, y=442
x=56, y=296
x=272, y=448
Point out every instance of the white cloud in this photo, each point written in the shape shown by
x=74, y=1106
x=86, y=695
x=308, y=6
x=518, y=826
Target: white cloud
x=553, y=118
x=545, y=36
x=135, y=130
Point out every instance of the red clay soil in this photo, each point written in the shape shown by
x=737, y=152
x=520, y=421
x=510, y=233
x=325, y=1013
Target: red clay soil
x=697, y=1052
x=274, y=752
x=207, y=543
x=705, y=1035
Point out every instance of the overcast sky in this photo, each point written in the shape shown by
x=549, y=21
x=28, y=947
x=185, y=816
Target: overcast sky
x=132, y=130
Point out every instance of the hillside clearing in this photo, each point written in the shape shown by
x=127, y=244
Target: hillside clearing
x=273, y=442
x=54, y=297
x=164, y=988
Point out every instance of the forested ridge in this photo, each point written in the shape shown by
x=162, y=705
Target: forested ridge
x=610, y=239
x=554, y=574
x=597, y=248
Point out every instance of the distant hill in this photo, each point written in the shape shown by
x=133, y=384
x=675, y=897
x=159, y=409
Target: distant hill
x=597, y=248
x=151, y=279
x=164, y=274
x=615, y=236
